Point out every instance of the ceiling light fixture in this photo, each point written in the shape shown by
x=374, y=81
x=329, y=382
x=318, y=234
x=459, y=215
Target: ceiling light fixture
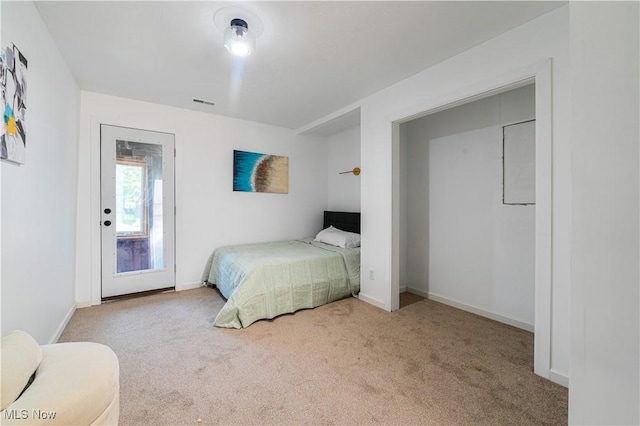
x=238, y=39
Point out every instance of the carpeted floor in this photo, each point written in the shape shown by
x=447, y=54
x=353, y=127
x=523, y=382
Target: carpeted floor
x=343, y=363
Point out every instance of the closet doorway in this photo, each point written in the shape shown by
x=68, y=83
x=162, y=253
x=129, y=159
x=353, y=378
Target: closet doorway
x=467, y=206
x=540, y=75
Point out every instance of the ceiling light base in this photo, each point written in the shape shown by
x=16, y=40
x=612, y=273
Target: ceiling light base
x=223, y=16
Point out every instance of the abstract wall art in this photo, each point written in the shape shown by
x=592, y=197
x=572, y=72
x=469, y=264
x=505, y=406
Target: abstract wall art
x=255, y=172
x=13, y=81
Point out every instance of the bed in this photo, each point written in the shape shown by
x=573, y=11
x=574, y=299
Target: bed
x=264, y=280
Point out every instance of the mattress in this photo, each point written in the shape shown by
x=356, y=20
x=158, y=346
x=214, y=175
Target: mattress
x=262, y=281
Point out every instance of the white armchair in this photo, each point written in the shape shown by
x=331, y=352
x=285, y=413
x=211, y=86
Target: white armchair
x=59, y=384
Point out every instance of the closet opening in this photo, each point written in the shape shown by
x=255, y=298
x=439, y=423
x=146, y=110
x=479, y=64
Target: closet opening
x=414, y=220
x=538, y=78
x=467, y=206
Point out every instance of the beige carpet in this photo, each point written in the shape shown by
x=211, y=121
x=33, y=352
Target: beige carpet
x=343, y=363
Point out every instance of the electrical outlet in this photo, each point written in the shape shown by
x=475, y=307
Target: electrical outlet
x=372, y=276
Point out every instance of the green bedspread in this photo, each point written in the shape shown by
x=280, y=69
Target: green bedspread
x=262, y=281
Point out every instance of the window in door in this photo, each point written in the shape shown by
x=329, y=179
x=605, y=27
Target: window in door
x=138, y=189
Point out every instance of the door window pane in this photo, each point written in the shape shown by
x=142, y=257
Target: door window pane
x=139, y=215
x=130, y=187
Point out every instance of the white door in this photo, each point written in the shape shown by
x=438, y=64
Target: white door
x=137, y=210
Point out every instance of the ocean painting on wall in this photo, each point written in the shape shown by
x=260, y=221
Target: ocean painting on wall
x=255, y=172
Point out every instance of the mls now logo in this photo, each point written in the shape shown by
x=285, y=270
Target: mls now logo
x=24, y=414
x=15, y=414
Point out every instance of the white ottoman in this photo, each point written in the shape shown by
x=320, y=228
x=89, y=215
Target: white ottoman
x=74, y=384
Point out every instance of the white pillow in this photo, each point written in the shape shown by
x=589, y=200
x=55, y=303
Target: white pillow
x=339, y=238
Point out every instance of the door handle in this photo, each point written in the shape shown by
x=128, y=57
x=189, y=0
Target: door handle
x=107, y=223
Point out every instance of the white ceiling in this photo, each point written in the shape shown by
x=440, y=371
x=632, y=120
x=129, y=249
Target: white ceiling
x=312, y=58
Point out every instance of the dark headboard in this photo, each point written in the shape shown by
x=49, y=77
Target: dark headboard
x=347, y=221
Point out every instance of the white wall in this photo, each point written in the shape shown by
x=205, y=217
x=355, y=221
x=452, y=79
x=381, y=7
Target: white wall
x=39, y=197
x=209, y=213
x=344, y=154
x=465, y=247
x=605, y=325
x=513, y=56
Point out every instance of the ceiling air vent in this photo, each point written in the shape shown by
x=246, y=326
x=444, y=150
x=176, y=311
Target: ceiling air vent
x=201, y=101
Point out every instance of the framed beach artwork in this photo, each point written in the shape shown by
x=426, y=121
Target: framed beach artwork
x=255, y=172
x=13, y=82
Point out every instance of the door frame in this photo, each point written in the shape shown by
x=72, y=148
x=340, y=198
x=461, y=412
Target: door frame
x=146, y=279
x=94, y=213
x=540, y=74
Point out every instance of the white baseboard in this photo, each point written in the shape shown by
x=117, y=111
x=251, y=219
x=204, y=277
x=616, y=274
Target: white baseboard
x=482, y=312
x=371, y=300
x=63, y=325
x=403, y=289
x=559, y=378
x=85, y=304
x=188, y=286
x=418, y=292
